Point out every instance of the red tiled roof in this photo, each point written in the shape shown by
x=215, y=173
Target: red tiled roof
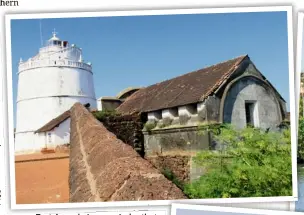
x=185, y=89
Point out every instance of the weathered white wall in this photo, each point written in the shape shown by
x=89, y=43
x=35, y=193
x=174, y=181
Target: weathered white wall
x=35, y=142
x=99, y=105
x=59, y=135
x=62, y=133
x=200, y=106
x=29, y=142
x=170, y=113
x=188, y=114
x=154, y=116
x=267, y=110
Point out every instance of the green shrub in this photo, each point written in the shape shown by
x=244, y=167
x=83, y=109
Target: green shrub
x=301, y=140
x=102, y=115
x=161, y=125
x=301, y=108
x=249, y=163
x=213, y=127
x=300, y=151
x=150, y=125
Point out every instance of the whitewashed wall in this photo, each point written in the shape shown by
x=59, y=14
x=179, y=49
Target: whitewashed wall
x=62, y=133
x=29, y=142
x=55, y=81
x=99, y=105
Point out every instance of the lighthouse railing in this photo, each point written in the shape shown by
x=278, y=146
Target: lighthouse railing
x=51, y=63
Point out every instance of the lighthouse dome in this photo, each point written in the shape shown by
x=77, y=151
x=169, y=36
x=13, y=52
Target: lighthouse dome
x=54, y=36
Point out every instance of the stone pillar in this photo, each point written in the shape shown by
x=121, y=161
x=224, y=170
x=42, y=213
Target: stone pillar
x=187, y=114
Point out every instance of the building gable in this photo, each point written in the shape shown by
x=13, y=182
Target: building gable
x=247, y=68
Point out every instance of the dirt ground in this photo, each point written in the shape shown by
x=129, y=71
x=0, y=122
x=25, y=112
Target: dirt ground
x=42, y=178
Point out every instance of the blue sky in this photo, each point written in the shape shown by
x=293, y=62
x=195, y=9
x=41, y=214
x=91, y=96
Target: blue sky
x=143, y=50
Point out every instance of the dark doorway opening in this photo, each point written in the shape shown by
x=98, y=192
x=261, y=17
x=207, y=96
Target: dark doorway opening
x=249, y=109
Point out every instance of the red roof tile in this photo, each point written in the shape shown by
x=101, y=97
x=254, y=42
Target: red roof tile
x=185, y=89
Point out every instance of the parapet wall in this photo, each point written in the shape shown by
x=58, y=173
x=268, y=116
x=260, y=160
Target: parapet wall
x=103, y=168
x=180, y=139
x=174, y=148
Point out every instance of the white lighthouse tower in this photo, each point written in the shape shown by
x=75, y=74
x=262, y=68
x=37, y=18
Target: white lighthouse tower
x=48, y=85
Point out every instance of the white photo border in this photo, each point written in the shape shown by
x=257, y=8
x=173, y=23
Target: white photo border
x=299, y=55
x=9, y=17
x=205, y=208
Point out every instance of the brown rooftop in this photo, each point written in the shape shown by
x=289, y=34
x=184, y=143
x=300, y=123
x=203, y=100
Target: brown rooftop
x=185, y=89
x=59, y=119
x=54, y=122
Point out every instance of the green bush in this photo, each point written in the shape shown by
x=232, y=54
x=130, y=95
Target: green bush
x=301, y=131
x=301, y=107
x=213, y=127
x=301, y=140
x=150, y=125
x=161, y=125
x=102, y=115
x=249, y=163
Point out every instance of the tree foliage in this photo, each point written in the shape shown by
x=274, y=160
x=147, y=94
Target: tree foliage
x=301, y=110
x=248, y=163
x=301, y=140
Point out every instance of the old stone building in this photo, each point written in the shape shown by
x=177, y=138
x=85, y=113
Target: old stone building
x=233, y=92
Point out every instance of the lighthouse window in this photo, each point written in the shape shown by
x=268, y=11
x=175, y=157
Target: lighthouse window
x=57, y=43
x=50, y=137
